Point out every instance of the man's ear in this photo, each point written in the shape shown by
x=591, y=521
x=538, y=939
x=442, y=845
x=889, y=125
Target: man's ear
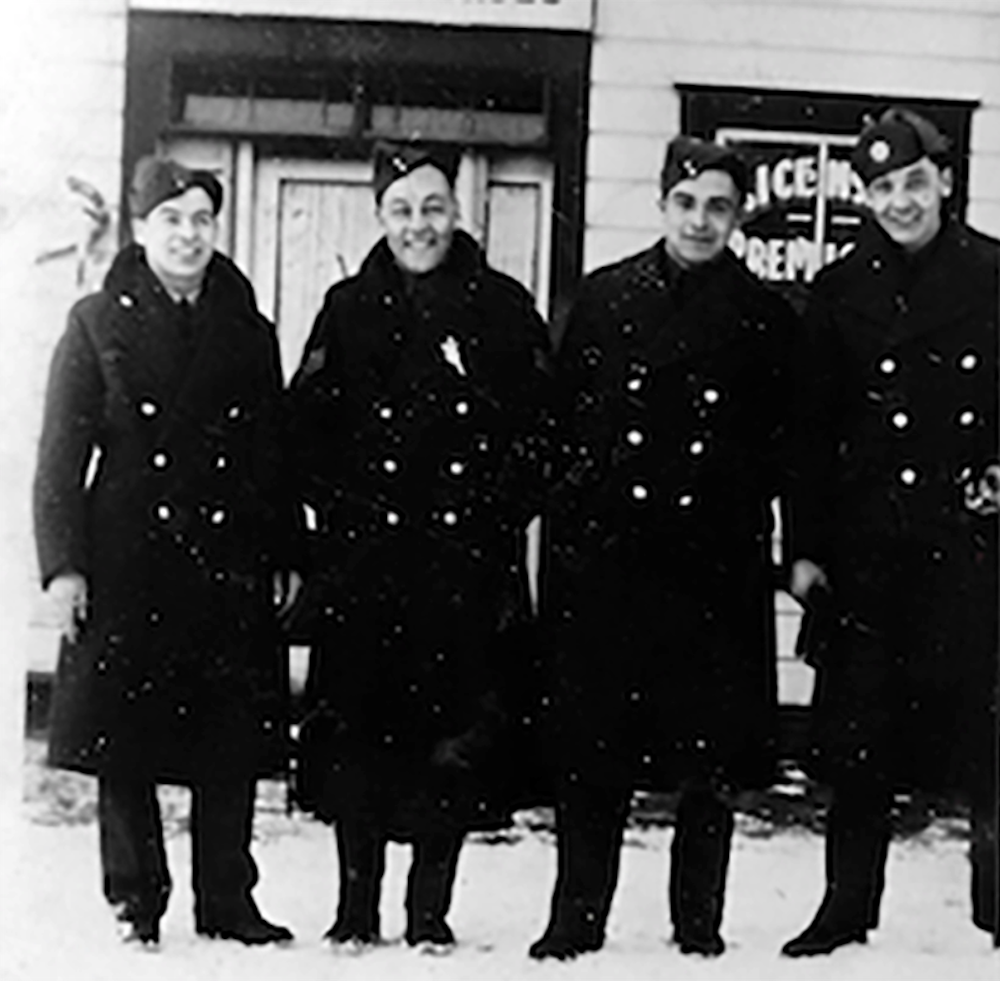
x=947, y=182
x=139, y=231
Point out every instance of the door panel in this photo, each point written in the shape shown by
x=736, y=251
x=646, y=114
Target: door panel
x=325, y=231
x=314, y=224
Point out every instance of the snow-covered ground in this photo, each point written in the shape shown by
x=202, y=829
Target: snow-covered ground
x=56, y=927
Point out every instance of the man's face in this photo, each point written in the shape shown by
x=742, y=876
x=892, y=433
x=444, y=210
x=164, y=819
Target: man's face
x=907, y=202
x=418, y=214
x=699, y=215
x=179, y=237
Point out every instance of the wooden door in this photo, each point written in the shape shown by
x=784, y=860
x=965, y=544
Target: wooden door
x=315, y=223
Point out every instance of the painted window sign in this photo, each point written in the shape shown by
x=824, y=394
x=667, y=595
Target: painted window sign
x=805, y=203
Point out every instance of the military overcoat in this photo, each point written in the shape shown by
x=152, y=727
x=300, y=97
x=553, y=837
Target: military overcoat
x=414, y=412
x=674, y=391
x=897, y=404
x=160, y=480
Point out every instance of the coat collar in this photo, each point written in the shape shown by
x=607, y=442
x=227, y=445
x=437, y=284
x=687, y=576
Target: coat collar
x=909, y=296
x=183, y=383
x=687, y=313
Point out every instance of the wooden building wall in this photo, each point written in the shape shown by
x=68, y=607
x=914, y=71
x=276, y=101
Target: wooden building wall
x=937, y=49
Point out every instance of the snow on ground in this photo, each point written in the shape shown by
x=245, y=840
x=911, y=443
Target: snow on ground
x=57, y=928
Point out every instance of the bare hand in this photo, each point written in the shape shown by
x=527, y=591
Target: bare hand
x=287, y=586
x=984, y=496
x=805, y=575
x=70, y=599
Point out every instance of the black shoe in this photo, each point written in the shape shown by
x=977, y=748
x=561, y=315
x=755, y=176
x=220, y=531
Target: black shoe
x=563, y=946
x=245, y=925
x=137, y=928
x=433, y=934
x=348, y=939
x=710, y=945
x=834, y=926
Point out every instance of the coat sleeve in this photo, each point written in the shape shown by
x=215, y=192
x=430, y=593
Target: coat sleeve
x=817, y=370
x=314, y=409
x=71, y=429
x=288, y=548
x=523, y=481
x=581, y=336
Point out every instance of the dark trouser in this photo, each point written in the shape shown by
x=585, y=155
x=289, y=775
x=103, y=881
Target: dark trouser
x=857, y=844
x=985, y=817
x=699, y=860
x=361, y=855
x=858, y=833
x=590, y=825
x=134, y=862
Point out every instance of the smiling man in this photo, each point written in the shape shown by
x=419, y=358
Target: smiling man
x=414, y=403
x=673, y=394
x=162, y=561
x=895, y=523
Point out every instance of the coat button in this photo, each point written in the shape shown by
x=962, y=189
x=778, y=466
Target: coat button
x=450, y=518
x=697, y=447
x=888, y=366
x=969, y=361
x=966, y=418
x=634, y=437
x=148, y=408
x=390, y=465
x=222, y=462
x=461, y=408
x=217, y=517
x=685, y=501
x=456, y=468
x=384, y=412
x=392, y=518
x=164, y=511
x=900, y=420
x=711, y=395
x=908, y=476
x=640, y=492
x=160, y=460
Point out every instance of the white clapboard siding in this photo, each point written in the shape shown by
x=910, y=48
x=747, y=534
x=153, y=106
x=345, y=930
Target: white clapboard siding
x=62, y=74
x=831, y=27
x=643, y=49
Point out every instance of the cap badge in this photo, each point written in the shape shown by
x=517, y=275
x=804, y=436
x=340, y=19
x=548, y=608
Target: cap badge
x=879, y=151
x=690, y=168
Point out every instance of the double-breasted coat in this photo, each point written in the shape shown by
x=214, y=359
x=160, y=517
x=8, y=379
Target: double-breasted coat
x=160, y=480
x=414, y=415
x=897, y=407
x=674, y=391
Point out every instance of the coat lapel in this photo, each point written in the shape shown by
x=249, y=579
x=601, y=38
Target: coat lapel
x=227, y=350
x=693, y=316
x=140, y=338
x=907, y=303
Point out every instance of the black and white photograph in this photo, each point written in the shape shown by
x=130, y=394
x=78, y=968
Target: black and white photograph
x=500, y=489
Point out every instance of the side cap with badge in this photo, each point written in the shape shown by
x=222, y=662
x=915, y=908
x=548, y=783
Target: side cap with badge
x=898, y=138
x=689, y=156
x=157, y=179
x=394, y=161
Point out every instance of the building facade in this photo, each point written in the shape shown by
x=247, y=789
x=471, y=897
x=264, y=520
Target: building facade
x=562, y=108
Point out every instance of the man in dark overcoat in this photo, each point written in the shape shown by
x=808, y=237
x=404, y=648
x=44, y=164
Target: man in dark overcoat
x=161, y=522
x=673, y=394
x=414, y=419
x=894, y=522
